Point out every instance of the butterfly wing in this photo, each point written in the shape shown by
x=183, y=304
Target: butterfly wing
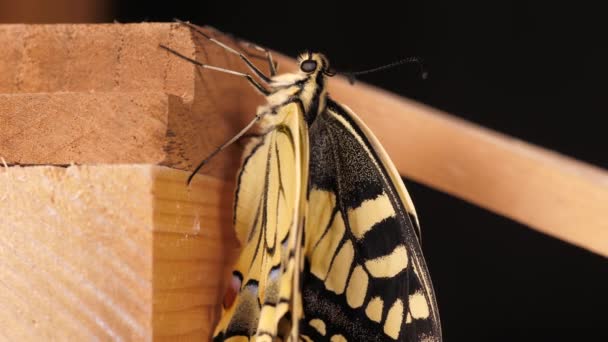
x=267, y=219
x=364, y=278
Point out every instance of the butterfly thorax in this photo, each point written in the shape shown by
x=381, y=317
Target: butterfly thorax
x=305, y=87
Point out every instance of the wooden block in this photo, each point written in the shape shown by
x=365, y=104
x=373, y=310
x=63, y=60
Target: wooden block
x=118, y=76
x=111, y=252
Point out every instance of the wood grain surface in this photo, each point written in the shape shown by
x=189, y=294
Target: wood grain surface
x=112, y=252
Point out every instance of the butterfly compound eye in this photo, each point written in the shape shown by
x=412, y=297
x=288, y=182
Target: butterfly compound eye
x=308, y=66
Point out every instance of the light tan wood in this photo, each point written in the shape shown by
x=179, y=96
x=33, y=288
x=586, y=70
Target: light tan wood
x=111, y=252
x=194, y=248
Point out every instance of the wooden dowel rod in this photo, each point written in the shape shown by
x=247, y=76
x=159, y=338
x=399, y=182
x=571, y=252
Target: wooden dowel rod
x=542, y=189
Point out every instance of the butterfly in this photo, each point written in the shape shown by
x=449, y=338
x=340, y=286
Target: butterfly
x=329, y=233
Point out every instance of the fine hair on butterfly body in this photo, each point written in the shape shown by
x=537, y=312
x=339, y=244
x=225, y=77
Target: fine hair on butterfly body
x=329, y=234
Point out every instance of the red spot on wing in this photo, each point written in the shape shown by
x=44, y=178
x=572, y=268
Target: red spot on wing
x=232, y=291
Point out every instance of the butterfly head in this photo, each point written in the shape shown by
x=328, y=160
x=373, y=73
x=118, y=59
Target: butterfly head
x=315, y=63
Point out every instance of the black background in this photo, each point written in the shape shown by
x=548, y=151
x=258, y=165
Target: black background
x=534, y=71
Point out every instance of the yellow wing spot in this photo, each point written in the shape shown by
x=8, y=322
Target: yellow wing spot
x=306, y=338
x=321, y=256
x=374, y=309
x=394, y=318
x=250, y=192
x=282, y=307
x=320, y=206
x=370, y=212
x=408, y=318
x=419, y=306
x=284, y=215
x=338, y=338
x=286, y=279
x=272, y=199
x=336, y=279
x=268, y=319
x=388, y=266
x=319, y=325
x=237, y=339
x=285, y=211
x=357, y=287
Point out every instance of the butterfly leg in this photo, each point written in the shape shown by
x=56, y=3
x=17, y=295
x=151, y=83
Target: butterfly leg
x=260, y=88
x=272, y=64
x=251, y=66
x=230, y=141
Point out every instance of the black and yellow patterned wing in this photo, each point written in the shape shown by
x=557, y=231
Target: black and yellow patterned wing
x=364, y=278
x=269, y=202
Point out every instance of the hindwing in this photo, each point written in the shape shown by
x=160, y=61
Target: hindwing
x=364, y=278
x=267, y=218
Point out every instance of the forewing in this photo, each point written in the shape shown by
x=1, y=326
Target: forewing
x=267, y=215
x=365, y=278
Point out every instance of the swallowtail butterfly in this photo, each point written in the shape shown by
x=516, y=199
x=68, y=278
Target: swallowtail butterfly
x=329, y=234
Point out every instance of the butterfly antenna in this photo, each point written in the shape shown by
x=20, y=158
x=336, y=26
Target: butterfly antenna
x=410, y=60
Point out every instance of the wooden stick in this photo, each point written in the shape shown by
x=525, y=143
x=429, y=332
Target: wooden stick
x=544, y=190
